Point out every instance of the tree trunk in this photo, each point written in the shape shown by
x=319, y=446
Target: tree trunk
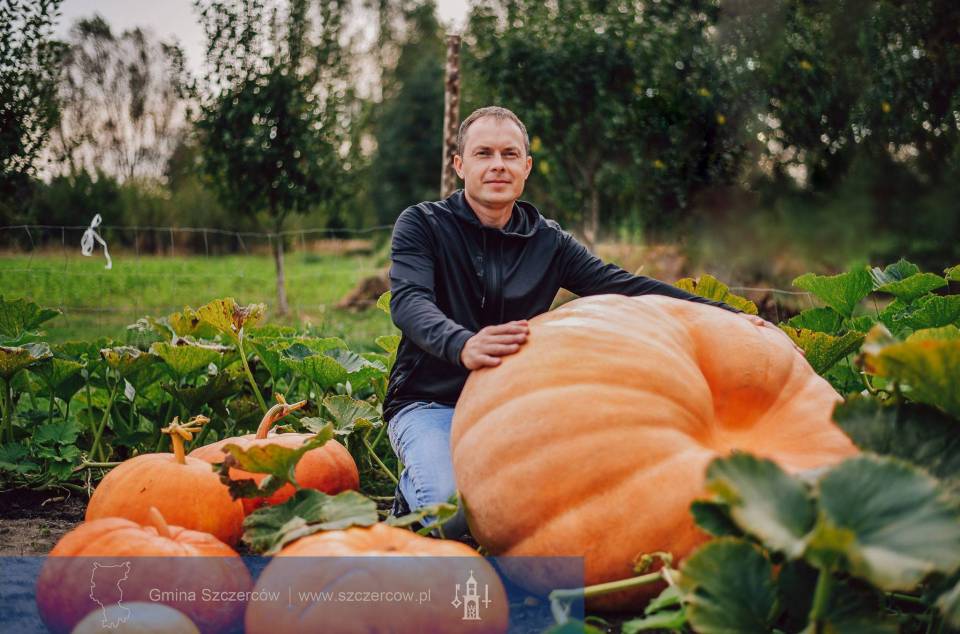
x=282, y=308
x=451, y=116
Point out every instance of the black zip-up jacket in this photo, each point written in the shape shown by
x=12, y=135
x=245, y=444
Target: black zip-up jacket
x=451, y=276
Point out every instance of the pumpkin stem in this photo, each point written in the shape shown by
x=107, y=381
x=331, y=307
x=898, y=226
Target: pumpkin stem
x=180, y=432
x=275, y=413
x=156, y=519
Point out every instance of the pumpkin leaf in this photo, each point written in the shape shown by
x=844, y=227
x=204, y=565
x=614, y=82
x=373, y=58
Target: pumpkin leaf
x=276, y=461
x=932, y=311
x=345, y=410
x=184, y=358
x=217, y=389
x=20, y=319
x=840, y=292
x=268, y=529
x=389, y=343
x=904, y=281
x=928, y=362
x=916, y=433
x=818, y=320
x=729, y=587
x=59, y=433
x=763, y=501
x=886, y=522
x=229, y=318
x=663, y=620
x=134, y=365
x=383, y=302
x=15, y=458
x=338, y=366
x=822, y=351
x=62, y=377
x=712, y=288
x=952, y=274
x=714, y=518
x=437, y=514
x=14, y=359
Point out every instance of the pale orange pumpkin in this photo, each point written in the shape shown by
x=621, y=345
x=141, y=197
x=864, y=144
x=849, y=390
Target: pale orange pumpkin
x=136, y=562
x=186, y=490
x=353, y=565
x=329, y=468
x=138, y=617
x=592, y=440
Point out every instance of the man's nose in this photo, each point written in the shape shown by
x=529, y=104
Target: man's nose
x=498, y=162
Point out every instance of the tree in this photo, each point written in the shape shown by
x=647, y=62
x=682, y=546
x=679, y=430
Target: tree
x=125, y=102
x=625, y=101
x=28, y=99
x=275, y=124
x=409, y=120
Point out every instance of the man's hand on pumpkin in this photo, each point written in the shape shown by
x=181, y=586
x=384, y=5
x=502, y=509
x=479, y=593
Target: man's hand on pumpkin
x=485, y=348
x=763, y=323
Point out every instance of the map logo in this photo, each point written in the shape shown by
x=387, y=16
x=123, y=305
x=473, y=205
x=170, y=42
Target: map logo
x=106, y=589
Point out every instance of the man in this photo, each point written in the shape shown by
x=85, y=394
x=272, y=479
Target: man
x=467, y=272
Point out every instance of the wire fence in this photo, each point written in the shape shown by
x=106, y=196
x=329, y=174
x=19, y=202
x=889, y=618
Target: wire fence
x=156, y=270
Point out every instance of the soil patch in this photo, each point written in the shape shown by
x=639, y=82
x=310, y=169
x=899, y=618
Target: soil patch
x=31, y=522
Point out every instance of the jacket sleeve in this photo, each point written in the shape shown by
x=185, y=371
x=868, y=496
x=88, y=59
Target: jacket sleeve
x=413, y=304
x=584, y=273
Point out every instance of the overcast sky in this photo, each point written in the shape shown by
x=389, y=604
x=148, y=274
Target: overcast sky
x=176, y=18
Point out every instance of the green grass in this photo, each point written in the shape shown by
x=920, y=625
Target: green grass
x=100, y=303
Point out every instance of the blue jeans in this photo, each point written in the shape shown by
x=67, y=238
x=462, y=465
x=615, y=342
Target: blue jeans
x=420, y=435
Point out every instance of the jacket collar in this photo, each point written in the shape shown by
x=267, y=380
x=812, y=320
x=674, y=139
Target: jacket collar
x=523, y=222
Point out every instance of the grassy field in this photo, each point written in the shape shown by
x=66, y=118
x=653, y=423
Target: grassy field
x=99, y=303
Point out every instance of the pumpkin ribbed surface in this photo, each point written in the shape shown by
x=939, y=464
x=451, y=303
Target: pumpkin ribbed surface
x=593, y=439
x=377, y=559
x=138, y=561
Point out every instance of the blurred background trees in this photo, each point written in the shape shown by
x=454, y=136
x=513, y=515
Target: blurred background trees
x=743, y=126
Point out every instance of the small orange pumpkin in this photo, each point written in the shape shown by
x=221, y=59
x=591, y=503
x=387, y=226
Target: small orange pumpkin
x=185, y=490
x=330, y=468
x=592, y=440
x=378, y=579
x=111, y=561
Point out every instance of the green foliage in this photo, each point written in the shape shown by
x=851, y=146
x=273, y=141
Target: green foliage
x=267, y=530
x=19, y=320
x=712, y=288
x=841, y=292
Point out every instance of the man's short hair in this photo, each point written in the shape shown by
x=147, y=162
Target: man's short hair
x=497, y=112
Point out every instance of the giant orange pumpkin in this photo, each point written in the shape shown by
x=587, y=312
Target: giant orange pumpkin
x=592, y=440
x=329, y=468
x=185, y=490
x=377, y=579
x=110, y=563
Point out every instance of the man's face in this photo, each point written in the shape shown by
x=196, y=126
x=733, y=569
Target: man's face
x=494, y=165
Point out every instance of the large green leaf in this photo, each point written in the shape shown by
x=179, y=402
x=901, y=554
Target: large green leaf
x=932, y=311
x=841, y=292
x=345, y=410
x=62, y=376
x=886, y=522
x=714, y=517
x=185, y=359
x=383, y=302
x=818, y=320
x=916, y=433
x=336, y=366
x=763, y=501
x=230, y=318
x=267, y=530
x=134, y=365
x=217, y=389
x=928, y=363
x=14, y=359
x=19, y=319
x=59, y=433
x=712, y=288
x=952, y=274
x=276, y=461
x=822, y=350
x=15, y=458
x=904, y=281
x=729, y=588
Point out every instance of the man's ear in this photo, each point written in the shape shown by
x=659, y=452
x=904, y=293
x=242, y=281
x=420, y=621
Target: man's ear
x=458, y=165
x=529, y=165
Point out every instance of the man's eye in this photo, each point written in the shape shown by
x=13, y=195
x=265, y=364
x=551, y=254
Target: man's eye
x=483, y=153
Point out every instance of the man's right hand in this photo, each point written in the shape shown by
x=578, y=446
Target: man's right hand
x=485, y=348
